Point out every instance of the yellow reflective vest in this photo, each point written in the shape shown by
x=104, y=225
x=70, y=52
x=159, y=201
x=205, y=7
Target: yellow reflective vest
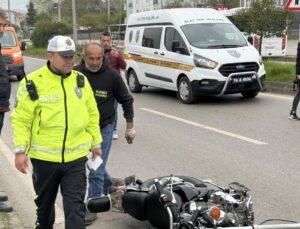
x=62, y=125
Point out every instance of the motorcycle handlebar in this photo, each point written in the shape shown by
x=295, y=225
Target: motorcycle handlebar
x=158, y=187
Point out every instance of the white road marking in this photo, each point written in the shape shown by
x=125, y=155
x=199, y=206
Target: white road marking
x=277, y=96
x=34, y=58
x=240, y=137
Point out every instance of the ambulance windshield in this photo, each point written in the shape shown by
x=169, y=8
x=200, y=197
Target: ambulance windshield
x=214, y=35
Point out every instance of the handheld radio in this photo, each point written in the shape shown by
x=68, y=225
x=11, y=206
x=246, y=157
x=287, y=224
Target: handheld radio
x=31, y=88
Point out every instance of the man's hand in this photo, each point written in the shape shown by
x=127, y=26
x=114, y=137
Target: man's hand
x=130, y=135
x=21, y=162
x=96, y=152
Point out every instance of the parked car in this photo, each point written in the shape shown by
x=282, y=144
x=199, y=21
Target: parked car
x=12, y=53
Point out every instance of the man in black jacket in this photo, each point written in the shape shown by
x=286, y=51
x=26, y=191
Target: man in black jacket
x=293, y=112
x=4, y=98
x=108, y=86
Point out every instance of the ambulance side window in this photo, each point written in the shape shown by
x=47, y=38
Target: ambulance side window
x=151, y=38
x=171, y=35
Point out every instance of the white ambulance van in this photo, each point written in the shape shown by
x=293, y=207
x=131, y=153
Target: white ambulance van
x=191, y=51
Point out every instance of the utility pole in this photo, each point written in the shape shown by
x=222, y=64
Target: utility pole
x=74, y=22
x=59, y=12
x=9, y=18
x=108, y=14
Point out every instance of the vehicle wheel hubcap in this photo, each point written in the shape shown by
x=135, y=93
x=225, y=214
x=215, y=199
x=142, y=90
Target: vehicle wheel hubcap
x=131, y=81
x=184, y=90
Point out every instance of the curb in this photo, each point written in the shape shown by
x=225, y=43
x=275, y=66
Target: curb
x=20, y=191
x=279, y=88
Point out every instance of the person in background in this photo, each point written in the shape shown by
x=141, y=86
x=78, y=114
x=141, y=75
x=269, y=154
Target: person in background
x=108, y=86
x=117, y=62
x=5, y=86
x=4, y=99
x=293, y=112
x=55, y=124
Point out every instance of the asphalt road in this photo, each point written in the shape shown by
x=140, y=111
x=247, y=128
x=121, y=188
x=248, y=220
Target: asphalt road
x=221, y=138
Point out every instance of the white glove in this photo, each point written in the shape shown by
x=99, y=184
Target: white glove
x=130, y=135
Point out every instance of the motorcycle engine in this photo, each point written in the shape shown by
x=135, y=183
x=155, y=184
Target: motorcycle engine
x=235, y=205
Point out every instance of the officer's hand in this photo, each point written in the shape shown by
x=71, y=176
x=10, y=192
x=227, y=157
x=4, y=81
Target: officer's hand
x=96, y=152
x=21, y=162
x=130, y=135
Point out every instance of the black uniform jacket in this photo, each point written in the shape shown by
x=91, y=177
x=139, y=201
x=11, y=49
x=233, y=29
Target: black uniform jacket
x=4, y=86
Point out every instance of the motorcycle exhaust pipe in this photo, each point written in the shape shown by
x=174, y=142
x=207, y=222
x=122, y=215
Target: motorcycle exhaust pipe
x=99, y=204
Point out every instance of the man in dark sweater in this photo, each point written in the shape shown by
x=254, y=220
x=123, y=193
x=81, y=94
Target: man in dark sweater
x=4, y=80
x=4, y=99
x=108, y=86
x=115, y=61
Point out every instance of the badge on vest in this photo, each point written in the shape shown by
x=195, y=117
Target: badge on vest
x=78, y=92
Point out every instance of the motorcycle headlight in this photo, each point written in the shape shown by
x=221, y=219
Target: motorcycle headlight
x=203, y=62
x=17, y=55
x=215, y=213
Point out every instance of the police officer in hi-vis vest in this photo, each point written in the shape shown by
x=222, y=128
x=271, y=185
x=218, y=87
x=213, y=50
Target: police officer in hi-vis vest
x=56, y=124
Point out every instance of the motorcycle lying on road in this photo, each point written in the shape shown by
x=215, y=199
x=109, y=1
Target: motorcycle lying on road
x=182, y=202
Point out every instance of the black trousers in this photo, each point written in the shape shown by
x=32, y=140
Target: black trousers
x=71, y=177
x=296, y=100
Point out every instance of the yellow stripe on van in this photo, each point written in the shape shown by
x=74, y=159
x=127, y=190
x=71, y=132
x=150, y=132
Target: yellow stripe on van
x=167, y=64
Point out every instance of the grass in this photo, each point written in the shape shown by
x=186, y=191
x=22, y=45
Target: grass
x=35, y=52
x=5, y=221
x=280, y=71
x=41, y=53
x=275, y=71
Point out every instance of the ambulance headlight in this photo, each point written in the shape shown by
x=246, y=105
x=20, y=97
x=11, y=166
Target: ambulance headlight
x=17, y=55
x=260, y=60
x=203, y=62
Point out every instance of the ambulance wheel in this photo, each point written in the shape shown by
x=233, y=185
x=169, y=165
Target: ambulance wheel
x=185, y=93
x=133, y=82
x=249, y=94
x=21, y=74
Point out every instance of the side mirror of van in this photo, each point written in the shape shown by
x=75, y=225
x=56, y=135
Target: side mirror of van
x=23, y=45
x=177, y=48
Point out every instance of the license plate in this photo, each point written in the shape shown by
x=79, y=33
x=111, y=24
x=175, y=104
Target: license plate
x=269, y=47
x=242, y=79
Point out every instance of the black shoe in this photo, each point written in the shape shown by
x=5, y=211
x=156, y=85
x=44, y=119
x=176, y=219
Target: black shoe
x=293, y=116
x=90, y=218
x=3, y=198
x=5, y=208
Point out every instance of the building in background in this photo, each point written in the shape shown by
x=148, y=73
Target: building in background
x=16, y=17
x=247, y=3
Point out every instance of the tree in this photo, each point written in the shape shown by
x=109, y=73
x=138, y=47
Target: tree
x=177, y=4
x=44, y=30
x=31, y=14
x=263, y=17
x=90, y=21
x=43, y=16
